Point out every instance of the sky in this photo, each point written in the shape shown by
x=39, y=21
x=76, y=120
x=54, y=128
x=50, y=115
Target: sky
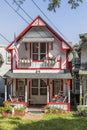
x=69, y=23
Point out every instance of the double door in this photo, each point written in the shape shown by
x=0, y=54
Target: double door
x=39, y=91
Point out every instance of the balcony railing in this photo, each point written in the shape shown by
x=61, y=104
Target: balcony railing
x=46, y=63
x=25, y=60
x=50, y=61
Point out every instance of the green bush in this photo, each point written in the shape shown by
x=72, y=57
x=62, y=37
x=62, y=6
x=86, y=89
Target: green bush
x=1, y=109
x=7, y=109
x=82, y=110
x=20, y=109
x=53, y=110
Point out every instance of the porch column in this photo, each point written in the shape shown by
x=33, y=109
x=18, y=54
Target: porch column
x=5, y=89
x=68, y=85
x=26, y=90
x=80, y=93
x=14, y=87
x=48, y=91
x=68, y=91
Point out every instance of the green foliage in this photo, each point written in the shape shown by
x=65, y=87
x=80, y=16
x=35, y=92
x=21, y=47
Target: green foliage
x=20, y=109
x=82, y=110
x=74, y=3
x=53, y=4
x=53, y=110
x=1, y=109
x=49, y=122
x=7, y=108
x=5, y=103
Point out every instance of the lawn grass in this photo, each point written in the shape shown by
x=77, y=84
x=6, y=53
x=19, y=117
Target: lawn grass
x=49, y=122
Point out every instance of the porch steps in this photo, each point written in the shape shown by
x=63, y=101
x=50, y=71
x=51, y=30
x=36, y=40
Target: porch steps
x=36, y=110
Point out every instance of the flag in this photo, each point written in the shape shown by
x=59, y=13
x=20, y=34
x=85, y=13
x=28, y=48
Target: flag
x=16, y=50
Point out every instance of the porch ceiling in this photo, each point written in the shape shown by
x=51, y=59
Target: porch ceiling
x=10, y=74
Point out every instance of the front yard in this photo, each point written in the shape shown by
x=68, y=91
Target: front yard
x=48, y=122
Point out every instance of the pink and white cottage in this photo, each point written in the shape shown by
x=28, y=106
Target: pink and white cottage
x=40, y=71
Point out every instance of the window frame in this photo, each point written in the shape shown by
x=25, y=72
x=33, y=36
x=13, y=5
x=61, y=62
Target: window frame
x=39, y=53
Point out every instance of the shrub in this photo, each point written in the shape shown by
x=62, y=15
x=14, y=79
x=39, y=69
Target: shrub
x=7, y=109
x=5, y=103
x=1, y=109
x=20, y=111
x=82, y=110
x=53, y=110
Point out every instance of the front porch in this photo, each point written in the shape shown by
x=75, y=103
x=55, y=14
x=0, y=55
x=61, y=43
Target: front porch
x=39, y=91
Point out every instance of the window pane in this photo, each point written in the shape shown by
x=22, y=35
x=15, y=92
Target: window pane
x=34, y=82
x=43, y=88
x=35, y=56
x=35, y=47
x=42, y=47
x=43, y=91
x=34, y=91
x=42, y=56
x=42, y=83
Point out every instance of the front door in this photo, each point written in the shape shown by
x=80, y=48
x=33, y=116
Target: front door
x=38, y=91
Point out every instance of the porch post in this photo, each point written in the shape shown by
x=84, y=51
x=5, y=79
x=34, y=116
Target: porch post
x=25, y=90
x=5, y=89
x=80, y=93
x=14, y=87
x=48, y=91
x=68, y=85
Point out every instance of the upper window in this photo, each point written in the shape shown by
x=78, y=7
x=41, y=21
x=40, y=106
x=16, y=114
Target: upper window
x=38, y=51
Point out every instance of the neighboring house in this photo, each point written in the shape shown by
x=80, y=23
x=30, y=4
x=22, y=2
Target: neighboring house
x=6, y=60
x=40, y=69
x=75, y=73
x=83, y=69
x=4, y=67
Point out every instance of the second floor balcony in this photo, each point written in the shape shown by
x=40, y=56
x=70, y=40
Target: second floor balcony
x=45, y=63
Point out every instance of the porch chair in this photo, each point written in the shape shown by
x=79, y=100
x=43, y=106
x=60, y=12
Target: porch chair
x=12, y=99
x=62, y=99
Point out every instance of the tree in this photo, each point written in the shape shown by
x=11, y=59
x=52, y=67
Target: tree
x=53, y=4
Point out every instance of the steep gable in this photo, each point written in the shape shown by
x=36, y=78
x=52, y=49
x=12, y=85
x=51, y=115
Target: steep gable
x=39, y=22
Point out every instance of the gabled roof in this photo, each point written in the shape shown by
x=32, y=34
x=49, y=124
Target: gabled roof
x=38, y=21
